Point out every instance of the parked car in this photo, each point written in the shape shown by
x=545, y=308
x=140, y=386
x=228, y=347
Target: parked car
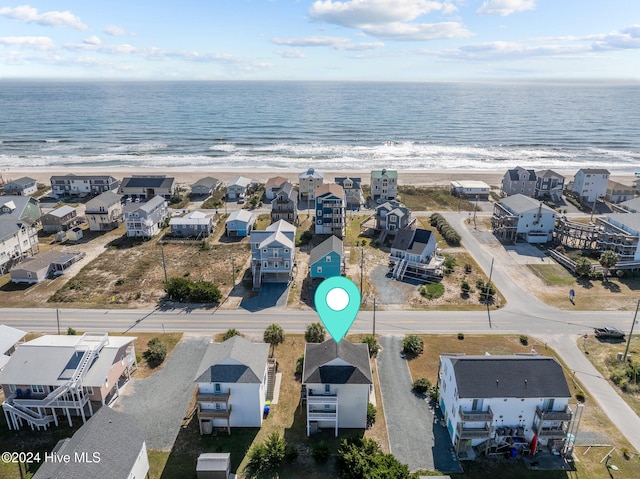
x=609, y=332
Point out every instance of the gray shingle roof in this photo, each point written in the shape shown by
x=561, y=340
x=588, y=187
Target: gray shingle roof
x=9, y=337
x=327, y=246
x=114, y=435
x=147, y=182
x=336, y=363
x=341, y=179
x=207, y=182
x=514, y=174
x=594, y=171
x=108, y=198
x=24, y=181
x=234, y=361
x=520, y=203
x=548, y=174
x=509, y=376
x=411, y=241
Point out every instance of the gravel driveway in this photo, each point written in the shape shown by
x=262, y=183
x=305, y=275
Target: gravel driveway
x=159, y=403
x=415, y=438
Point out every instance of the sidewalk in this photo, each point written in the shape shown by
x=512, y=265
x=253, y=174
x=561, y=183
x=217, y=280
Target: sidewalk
x=597, y=387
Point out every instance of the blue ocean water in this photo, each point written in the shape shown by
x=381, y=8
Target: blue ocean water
x=329, y=125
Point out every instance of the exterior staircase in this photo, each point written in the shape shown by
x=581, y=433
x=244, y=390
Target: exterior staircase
x=271, y=378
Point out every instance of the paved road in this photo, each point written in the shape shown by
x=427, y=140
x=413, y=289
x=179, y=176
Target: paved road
x=159, y=403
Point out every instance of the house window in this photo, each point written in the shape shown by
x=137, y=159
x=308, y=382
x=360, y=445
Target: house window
x=216, y=388
x=286, y=250
x=476, y=405
x=286, y=264
x=319, y=269
x=218, y=406
x=327, y=407
x=328, y=259
x=275, y=265
x=89, y=390
x=319, y=222
x=327, y=388
x=12, y=388
x=264, y=250
x=37, y=388
x=265, y=264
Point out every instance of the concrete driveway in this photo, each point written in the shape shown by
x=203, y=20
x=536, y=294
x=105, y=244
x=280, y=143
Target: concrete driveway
x=415, y=438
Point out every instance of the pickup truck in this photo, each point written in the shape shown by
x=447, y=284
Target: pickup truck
x=609, y=332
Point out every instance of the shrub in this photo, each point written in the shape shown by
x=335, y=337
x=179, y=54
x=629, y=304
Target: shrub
x=290, y=454
x=305, y=238
x=431, y=290
x=314, y=333
x=230, y=334
x=362, y=458
x=372, y=344
x=468, y=268
x=583, y=266
x=300, y=364
x=421, y=385
x=465, y=288
x=479, y=283
x=460, y=336
x=524, y=340
x=71, y=331
x=157, y=351
x=267, y=456
x=412, y=345
x=449, y=234
x=487, y=292
x=184, y=290
x=321, y=452
x=371, y=415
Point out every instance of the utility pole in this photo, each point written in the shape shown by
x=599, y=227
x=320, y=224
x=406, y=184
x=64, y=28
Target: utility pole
x=233, y=271
x=374, y=317
x=164, y=266
x=361, y=269
x=631, y=332
x=475, y=211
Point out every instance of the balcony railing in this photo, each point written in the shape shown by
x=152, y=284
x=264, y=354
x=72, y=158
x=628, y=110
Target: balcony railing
x=213, y=397
x=214, y=413
x=473, y=433
x=322, y=399
x=476, y=416
x=564, y=415
x=551, y=432
x=320, y=415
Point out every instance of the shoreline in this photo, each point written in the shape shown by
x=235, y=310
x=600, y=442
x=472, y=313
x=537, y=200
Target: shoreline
x=188, y=176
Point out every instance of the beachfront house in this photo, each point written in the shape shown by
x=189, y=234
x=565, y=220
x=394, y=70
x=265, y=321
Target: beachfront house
x=308, y=182
x=331, y=213
x=617, y=192
x=384, y=185
x=273, y=185
x=60, y=219
x=240, y=223
x=327, y=259
x=109, y=445
x=499, y=403
x=205, y=186
x=19, y=222
x=469, y=189
x=9, y=340
x=352, y=191
x=53, y=376
x=392, y=216
x=413, y=255
x=81, y=185
x=336, y=383
x=145, y=220
x=104, y=212
x=146, y=187
x=549, y=184
x=519, y=181
x=272, y=253
x=192, y=225
x=48, y=264
x=636, y=184
x=521, y=217
x=590, y=184
x=284, y=205
x=21, y=187
x=620, y=233
x=237, y=188
x=232, y=382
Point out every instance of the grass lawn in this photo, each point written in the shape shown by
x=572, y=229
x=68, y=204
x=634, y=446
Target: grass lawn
x=422, y=198
x=287, y=418
x=553, y=274
x=587, y=462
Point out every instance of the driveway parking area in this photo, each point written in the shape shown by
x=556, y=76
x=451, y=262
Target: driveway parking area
x=415, y=438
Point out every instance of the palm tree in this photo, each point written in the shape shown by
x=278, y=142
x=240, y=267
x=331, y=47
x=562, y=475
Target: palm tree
x=608, y=260
x=273, y=335
x=314, y=333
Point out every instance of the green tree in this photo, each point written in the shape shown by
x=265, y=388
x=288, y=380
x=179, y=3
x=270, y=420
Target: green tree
x=156, y=352
x=267, y=456
x=412, y=345
x=465, y=288
x=362, y=458
x=371, y=415
x=273, y=335
x=608, y=260
x=372, y=344
x=314, y=333
x=583, y=266
x=230, y=334
x=421, y=385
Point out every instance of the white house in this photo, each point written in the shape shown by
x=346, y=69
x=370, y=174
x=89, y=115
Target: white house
x=272, y=253
x=145, y=219
x=9, y=338
x=331, y=213
x=19, y=220
x=384, y=185
x=413, y=254
x=493, y=402
x=54, y=376
x=589, y=184
x=520, y=217
x=620, y=233
x=617, y=192
x=192, y=225
x=104, y=212
x=240, y=223
x=109, y=445
x=82, y=185
x=237, y=188
x=232, y=384
x=21, y=187
x=469, y=189
x=205, y=186
x=336, y=382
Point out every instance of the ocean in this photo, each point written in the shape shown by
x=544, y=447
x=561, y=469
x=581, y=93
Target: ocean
x=327, y=125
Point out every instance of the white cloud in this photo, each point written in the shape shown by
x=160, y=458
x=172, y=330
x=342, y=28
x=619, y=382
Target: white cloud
x=292, y=53
x=337, y=43
x=115, y=31
x=506, y=7
x=353, y=13
x=39, y=43
x=417, y=31
x=92, y=40
x=28, y=14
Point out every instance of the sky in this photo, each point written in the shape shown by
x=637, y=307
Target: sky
x=348, y=40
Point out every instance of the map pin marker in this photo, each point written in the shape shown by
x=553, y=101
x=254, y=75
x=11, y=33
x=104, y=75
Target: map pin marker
x=337, y=301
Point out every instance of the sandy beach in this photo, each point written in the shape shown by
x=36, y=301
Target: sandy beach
x=189, y=176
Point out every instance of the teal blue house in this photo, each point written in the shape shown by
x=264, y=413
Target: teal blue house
x=326, y=259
